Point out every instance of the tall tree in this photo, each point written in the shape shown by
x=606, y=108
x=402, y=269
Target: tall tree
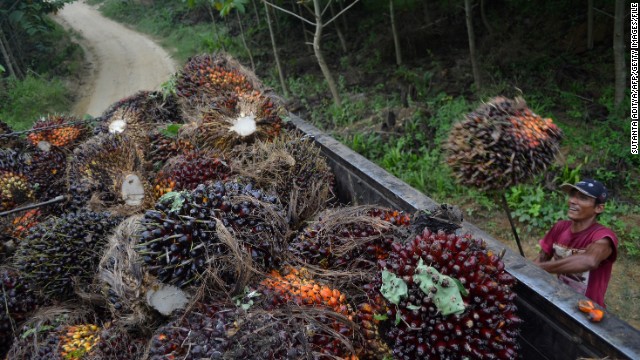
x=472, y=44
x=618, y=52
x=318, y=11
x=8, y=59
x=225, y=7
x=590, y=24
x=394, y=31
x=19, y=20
x=276, y=57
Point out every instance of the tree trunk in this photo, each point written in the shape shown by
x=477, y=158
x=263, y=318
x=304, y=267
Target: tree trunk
x=244, y=42
x=618, y=52
x=307, y=42
x=255, y=8
x=12, y=64
x=215, y=28
x=317, y=37
x=343, y=41
x=18, y=54
x=394, y=31
x=425, y=12
x=484, y=18
x=590, y=25
x=283, y=84
x=343, y=17
x=7, y=58
x=472, y=44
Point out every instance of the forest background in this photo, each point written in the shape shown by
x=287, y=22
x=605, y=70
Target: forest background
x=388, y=78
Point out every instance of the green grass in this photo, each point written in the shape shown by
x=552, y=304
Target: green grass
x=26, y=100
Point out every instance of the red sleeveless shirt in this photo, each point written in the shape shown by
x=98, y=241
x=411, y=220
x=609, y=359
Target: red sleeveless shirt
x=561, y=242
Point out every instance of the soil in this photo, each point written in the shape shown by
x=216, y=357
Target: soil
x=120, y=60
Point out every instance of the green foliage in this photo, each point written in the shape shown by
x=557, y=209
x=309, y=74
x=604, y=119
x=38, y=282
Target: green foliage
x=535, y=207
x=23, y=101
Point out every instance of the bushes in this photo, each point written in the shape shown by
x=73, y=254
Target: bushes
x=22, y=101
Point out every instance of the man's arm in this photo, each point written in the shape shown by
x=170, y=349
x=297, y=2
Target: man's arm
x=579, y=263
x=542, y=257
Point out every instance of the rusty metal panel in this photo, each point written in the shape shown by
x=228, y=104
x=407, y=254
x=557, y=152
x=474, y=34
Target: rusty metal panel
x=554, y=328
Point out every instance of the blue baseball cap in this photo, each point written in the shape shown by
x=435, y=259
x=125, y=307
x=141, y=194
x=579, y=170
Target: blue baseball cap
x=589, y=187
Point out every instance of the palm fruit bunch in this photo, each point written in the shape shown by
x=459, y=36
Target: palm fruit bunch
x=78, y=340
x=162, y=147
x=501, y=143
x=212, y=76
x=46, y=170
x=107, y=172
x=254, y=117
x=292, y=167
x=18, y=301
x=298, y=288
x=450, y=298
x=349, y=237
x=114, y=343
x=9, y=140
x=202, y=333
x=185, y=172
x=190, y=231
x=62, y=131
x=60, y=252
x=122, y=279
x=15, y=189
x=154, y=107
x=22, y=222
x=128, y=121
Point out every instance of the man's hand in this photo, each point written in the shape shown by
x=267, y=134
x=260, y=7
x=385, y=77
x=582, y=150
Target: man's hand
x=542, y=257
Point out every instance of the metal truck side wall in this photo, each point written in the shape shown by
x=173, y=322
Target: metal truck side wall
x=554, y=328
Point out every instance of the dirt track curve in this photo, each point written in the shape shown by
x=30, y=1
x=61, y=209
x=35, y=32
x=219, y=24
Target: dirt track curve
x=122, y=61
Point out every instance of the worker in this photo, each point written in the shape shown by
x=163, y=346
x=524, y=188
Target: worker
x=580, y=250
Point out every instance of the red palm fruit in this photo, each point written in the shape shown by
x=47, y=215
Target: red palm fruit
x=187, y=171
x=487, y=327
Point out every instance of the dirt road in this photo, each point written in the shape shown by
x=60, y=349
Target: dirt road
x=121, y=60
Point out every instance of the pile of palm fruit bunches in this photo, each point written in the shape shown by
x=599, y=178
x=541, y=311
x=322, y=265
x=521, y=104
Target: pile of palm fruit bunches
x=199, y=224
x=500, y=144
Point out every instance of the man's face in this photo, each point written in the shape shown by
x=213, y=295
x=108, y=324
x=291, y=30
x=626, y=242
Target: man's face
x=582, y=207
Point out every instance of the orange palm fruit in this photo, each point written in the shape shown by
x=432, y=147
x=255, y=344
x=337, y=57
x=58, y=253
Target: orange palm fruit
x=596, y=315
x=585, y=305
